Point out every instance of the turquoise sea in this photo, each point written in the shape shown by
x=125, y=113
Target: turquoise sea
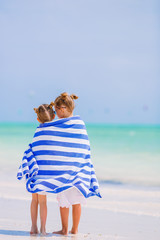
x=121, y=154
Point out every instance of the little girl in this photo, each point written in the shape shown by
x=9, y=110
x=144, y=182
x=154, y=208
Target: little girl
x=64, y=106
x=44, y=113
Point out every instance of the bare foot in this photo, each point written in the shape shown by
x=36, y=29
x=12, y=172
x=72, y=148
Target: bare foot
x=34, y=231
x=62, y=232
x=73, y=231
x=43, y=232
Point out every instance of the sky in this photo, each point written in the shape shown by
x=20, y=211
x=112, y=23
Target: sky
x=106, y=52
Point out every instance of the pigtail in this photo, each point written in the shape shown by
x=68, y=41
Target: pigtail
x=73, y=96
x=51, y=105
x=64, y=95
x=36, y=110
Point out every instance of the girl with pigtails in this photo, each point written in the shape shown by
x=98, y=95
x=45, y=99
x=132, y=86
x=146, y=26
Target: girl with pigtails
x=29, y=167
x=59, y=161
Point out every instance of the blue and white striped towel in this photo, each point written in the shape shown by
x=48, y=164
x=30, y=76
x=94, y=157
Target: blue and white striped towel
x=29, y=167
x=59, y=158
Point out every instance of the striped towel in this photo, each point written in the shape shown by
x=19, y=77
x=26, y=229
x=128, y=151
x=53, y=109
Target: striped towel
x=29, y=167
x=59, y=158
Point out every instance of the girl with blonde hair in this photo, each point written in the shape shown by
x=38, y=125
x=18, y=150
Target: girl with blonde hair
x=30, y=167
x=74, y=196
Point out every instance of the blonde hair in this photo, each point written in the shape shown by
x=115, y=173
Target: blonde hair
x=45, y=112
x=66, y=100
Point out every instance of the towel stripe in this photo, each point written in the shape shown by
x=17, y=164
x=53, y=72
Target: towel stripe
x=61, y=134
x=62, y=163
x=58, y=143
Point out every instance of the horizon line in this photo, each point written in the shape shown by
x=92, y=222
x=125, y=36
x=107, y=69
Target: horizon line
x=87, y=123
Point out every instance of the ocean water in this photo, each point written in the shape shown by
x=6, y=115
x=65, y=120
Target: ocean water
x=125, y=154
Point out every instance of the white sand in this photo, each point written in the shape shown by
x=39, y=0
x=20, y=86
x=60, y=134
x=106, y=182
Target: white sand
x=123, y=213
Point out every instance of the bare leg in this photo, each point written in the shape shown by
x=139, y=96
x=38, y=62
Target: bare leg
x=43, y=212
x=76, y=214
x=64, y=219
x=34, y=213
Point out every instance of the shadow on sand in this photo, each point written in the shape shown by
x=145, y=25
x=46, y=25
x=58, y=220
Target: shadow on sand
x=24, y=233
x=14, y=233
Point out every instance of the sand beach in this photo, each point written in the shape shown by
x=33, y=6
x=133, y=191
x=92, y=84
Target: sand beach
x=124, y=212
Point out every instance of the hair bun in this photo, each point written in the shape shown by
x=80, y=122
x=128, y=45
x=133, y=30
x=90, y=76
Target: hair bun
x=73, y=96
